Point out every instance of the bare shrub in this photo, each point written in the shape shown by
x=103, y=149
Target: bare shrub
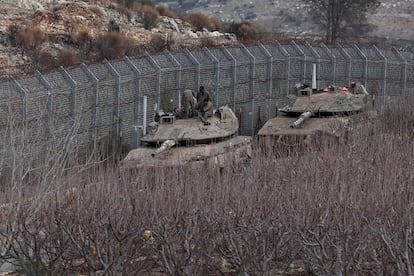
x=149, y=17
x=113, y=26
x=160, y=43
x=30, y=38
x=12, y=33
x=247, y=32
x=207, y=41
x=44, y=60
x=164, y=10
x=111, y=45
x=135, y=4
x=125, y=11
x=81, y=39
x=201, y=21
x=66, y=57
x=345, y=209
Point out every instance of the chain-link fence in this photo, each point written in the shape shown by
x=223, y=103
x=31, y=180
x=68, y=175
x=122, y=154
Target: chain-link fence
x=105, y=100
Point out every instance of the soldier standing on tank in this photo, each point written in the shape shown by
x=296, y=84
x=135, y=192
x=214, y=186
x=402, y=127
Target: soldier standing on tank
x=204, y=105
x=202, y=98
x=188, y=103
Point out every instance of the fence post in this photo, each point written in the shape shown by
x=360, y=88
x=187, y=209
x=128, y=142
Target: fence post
x=95, y=82
x=302, y=53
x=348, y=58
x=318, y=62
x=287, y=66
x=384, y=76
x=74, y=90
x=251, y=88
x=365, y=58
x=234, y=73
x=158, y=81
x=269, y=77
x=333, y=60
x=404, y=70
x=197, y=64
x=116, y=110
x=49, y=88
x=177, y=76
x=217, y=68
x=137, y=97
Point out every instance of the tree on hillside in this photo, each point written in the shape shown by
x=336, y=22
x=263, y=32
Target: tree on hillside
x=340, y=18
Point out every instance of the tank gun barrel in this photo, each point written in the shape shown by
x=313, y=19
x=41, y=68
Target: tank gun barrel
x=302, y=118
x=166, y=145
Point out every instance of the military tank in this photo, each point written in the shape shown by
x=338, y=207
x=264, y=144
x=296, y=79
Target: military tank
x=312, y=116
x=173, y=140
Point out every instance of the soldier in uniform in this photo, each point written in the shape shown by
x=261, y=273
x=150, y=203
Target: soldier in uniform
x=204, y=105
x=358, y=88
x=188, y=103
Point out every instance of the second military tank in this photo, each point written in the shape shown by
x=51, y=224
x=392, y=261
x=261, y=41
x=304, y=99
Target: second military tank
x=312, y=116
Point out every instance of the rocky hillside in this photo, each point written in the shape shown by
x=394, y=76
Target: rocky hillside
x=394, y=18
x=45, y=34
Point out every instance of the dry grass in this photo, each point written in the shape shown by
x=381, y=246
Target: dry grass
x=345, y=209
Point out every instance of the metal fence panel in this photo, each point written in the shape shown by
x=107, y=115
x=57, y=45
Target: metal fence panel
x=104, y=100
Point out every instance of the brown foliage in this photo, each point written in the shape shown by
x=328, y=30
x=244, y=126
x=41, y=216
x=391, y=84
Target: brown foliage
x=30, y=38
x=12, y=33
x=44, y=60
x=112, y=45
x=160, y=43
x=81, y=38
x=125, y=11
x=343, y=209
x=201, y=21
x=66, y=57
x=207, y=41
x=135, y=4
x=163, y=10
x=149, y=17
x=246, y=31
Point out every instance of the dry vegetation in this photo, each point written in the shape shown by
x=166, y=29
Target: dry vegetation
x=70, y=33
x=346, y=209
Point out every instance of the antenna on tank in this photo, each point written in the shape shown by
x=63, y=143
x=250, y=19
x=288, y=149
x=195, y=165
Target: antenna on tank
x=314, y=85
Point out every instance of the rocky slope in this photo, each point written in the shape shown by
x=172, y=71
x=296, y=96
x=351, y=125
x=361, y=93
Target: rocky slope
x=394, y=18
x=63, y=32
x=70, y=29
